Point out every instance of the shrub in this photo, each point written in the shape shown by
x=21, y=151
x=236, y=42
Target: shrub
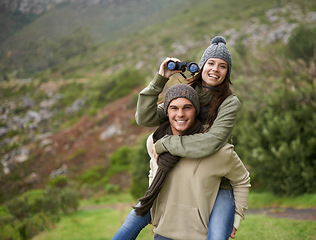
x=58, y=181
x=302, y=43
x=91, y=176
x=120, y=84
x=121, y=157
x=32, y=226
x=51, y=202
x=139, y=168
x=19, y=208
x=28, y=219
x=69, y=200
x=111, y=188
x=37, y=206
x=7, y=231
x=120, y=162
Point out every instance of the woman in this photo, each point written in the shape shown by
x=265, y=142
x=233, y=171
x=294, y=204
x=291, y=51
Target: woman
x=219, y=108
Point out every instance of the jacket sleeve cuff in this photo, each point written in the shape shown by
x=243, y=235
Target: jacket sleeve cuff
x=159, y=147
x=237, y=220
x=159, y=81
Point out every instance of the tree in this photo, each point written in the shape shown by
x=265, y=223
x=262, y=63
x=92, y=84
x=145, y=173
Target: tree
x=279, y=144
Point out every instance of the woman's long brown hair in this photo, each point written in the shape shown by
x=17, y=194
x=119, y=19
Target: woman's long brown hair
x=218, y=95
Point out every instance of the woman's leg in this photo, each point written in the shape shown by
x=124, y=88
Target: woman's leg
x=132, y=226
x=222, y=216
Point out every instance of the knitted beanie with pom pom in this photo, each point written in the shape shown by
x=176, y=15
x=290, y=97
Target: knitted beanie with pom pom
x=217, y=49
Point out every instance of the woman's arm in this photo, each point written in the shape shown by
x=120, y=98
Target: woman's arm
x=148, y=113
x=204, y=144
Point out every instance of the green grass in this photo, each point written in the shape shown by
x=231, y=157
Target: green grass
x=108, y=199
x=98, y=224
x=102, y=223
x=263, y=227
x=266, y=199
x=92, y=224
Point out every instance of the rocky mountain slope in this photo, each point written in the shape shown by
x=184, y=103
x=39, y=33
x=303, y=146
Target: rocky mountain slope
x=88, y=143
x=34, y=145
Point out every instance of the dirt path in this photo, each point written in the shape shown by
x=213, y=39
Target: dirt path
x=291, y=213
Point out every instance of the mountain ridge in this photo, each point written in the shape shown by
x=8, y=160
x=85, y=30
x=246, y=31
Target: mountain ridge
x=40, y=6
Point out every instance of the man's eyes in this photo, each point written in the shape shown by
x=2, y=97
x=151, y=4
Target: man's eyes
x=173, y=108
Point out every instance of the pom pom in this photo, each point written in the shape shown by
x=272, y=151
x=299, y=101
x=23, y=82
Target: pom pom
x=218, y=39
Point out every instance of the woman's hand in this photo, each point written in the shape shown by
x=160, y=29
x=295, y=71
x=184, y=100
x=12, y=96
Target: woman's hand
x=164, y=71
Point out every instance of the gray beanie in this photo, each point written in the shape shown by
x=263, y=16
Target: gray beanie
x=217, y=49
x=182, y=90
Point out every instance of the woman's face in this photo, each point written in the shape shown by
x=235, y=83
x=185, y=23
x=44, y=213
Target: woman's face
x=214, y=72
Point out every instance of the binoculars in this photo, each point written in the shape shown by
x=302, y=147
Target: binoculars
x=192, y=67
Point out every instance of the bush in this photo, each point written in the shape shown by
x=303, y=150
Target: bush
x=91, y=176
x=111, y=188
x=125, y=81
x=139, y=168
x=27, y=220
x=69, y=200
x=302, y=43
x=119, y=85
x=7, y=231
x=120, y=162
x=51, y=201
x=37, y=206
x=121, y=157
x=58, y=181
x=33, y=226
x=19, y=208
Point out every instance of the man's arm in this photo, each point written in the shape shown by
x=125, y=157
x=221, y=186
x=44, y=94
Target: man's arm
x=240, y=180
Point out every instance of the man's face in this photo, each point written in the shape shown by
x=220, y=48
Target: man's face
x=181, y=114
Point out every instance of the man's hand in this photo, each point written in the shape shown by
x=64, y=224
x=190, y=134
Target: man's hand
x=153, y=150
x=232, y=235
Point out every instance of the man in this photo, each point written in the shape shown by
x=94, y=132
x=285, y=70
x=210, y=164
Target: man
x=185, y=201
x=182, y=191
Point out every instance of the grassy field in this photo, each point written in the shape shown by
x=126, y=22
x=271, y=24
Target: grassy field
x=101, y=218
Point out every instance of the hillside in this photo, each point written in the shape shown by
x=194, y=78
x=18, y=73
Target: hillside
x=102, y=21
x=64, y=74
x=86, y=144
